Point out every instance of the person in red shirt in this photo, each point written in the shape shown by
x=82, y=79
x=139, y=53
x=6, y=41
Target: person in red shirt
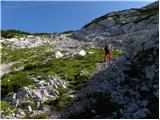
x=108, y=53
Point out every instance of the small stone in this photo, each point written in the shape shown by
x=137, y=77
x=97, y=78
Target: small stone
x=14, y=96
x=38, y=104
x=13, y=114
x=83, y=72
x=71, y=96
x=91, y=52
x=29, y=108
x=142, y=113
x=17, y=103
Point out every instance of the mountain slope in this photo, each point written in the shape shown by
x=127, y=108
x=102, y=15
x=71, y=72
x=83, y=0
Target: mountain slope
x=119, y=27
x=129, y=87
x=57, y=76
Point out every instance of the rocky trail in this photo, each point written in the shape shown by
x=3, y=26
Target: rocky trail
x=5, y=68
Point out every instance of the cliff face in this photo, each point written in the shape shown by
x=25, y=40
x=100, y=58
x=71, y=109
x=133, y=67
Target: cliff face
x=128, y=88
x=119, y=27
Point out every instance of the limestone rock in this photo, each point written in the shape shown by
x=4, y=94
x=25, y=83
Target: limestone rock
x=58, y=54
x=82, y=53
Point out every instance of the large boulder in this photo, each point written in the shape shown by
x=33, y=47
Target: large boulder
x=82, y=53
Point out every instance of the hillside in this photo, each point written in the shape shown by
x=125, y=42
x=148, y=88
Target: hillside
x=63, y=75
x=120, y=27
x=129, y=87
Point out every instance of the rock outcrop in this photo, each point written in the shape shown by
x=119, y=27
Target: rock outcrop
x=120, y=27
x=128, y=88
x=31, y=98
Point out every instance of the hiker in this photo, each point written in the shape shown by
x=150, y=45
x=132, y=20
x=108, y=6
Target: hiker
x=107, y=55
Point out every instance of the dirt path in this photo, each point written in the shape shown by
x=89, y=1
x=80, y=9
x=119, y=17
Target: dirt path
x=5, y=68
x=99, y=66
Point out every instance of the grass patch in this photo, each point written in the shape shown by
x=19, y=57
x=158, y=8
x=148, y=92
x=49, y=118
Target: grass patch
x=41, y=116
x=13, y=81
x=67, y=32
x=66, y=68
x=63, y=102
x=29, y=103
x=63, y=99
x=9, y=54
x=17, y=33
x=49, y=102
x=6, y=107
x=13, y=33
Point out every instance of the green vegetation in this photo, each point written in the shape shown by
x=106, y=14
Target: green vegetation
x=9, y=54
x=48, y=35
x=35, y=61
x=64, y=99
x=18, y=33
x=63, y=102
x=117, y=53
x=114, y=17
x=13, y=33
x=13, y=81
x=41, y=116
x=5, y=107
x=147, y=13
x=67, y=32
x=49, y=102
x=29, y=103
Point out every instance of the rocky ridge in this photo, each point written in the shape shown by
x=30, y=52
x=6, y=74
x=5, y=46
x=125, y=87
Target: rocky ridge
x=120, y=27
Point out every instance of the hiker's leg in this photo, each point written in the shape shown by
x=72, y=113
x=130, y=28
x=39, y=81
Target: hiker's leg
x=105, y=58
x=109, y=57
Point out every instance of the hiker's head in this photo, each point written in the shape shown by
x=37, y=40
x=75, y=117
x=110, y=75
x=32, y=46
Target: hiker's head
x=110, y=45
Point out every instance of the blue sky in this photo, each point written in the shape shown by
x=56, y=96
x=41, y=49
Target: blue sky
x=53, y=16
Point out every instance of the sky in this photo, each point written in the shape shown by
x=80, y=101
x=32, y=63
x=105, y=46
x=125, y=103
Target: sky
x=57, y=16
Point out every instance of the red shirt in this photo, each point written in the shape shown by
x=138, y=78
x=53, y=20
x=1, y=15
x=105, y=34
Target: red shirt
x=107, y=51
